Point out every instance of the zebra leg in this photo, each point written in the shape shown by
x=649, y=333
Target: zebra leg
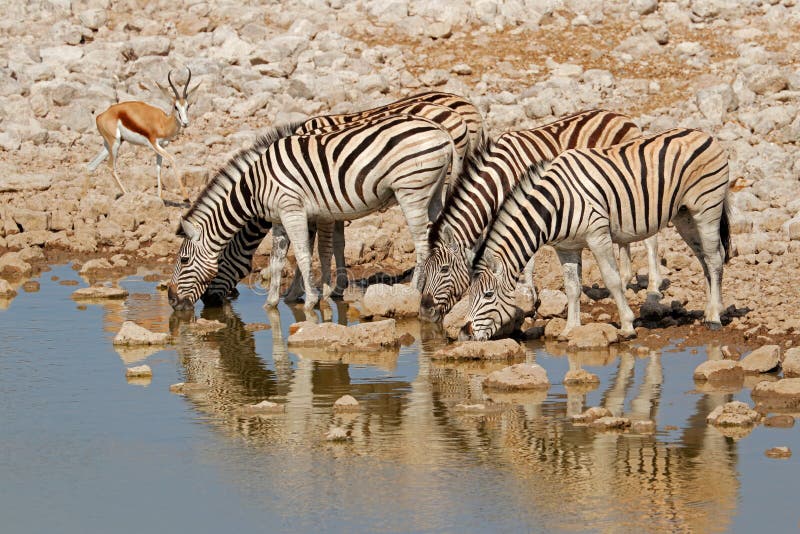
x=571, y=264
x=625, y=268
x=295, y=223
x=654, y=271
x=603, y=250
x=324, y=246
x=415, y=210
x=527, y=286
x=703, y=238
x=338, y=254
x=277, y=259
x=295, y=290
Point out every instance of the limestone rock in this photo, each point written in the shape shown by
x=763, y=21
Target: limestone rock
x=554, y=327
x=500, y=349
x=398, y=300
x=99, y=292
x=98, y=264
x=778, y=452
x=133, y=334
x=346, y=403
x=762, y=360
x=138, y=371
x=519, y=376
x=264, y=407
x=719, y=371
x=554, y=303
x=206, y=326
x=791, y=363
x=337, y=433
x=12, y=266
x=643, y=426
x=378, y=335
x=580, y=376
x=610, y=423
x=781, y=394
x=6, y=291
x=733, y=414
x=592, y=336
x=13, y=182
x=779, y=421
x=590, y=415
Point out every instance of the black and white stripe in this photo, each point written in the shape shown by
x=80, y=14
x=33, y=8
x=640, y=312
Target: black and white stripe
x=292, y=178
x=482, y=187
x=596, y=197
x=457, y=115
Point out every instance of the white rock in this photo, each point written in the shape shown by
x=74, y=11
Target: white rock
x=553, y=303
x=133, y=334
x=519, y=376
x=138, y=371
x=398, y=300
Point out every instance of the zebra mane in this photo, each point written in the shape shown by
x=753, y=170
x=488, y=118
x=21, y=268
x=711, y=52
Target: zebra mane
x=226, y=176
x=471, y=164
x=532, y=175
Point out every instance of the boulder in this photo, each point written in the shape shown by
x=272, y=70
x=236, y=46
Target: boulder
x=94, y=265
x=519, y=376
x=13, y=182
x=554, y=327
x=791, y=363
x=99, y=292
x=398, y=300
x=762, y=360
x=733, y=414
x=610, y=423
x=375, y=336
x=592, y=336
x=12, y=266
x=780, y=394
x=553, y=303
x=719, y=371
x=138, y=371
x=6, y=291
x=778, y=452
x=580, y=376
x=133, y=334
x=30, y=220
x=501, y=349
x=346, y=403
x=590, y=415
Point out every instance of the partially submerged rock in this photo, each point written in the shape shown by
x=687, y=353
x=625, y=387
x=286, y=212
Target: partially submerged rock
x=643, y=426
x=375, y=336
x=791, y=363
x=580, y=376
x=592, y=336
x=779, y=421
x=501, y=349
x=187, y=388
x=94, y=265
x=133, y=334
x=779, y=452
x=610, y=423
x=139, y=371
x=519, y=376
x=99, y=292
x=6, y=291
x=346, y=403
x=337, y=433
x=12, y=266
x=264, y=407
x=728, y=371
x=590, y=415
x=762, y=360
x=781, y=394
x=398, y=300
x=205, y=326
x=733, y=414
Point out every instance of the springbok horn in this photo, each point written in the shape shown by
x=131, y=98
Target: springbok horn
x=186, y=87
x=169, y=78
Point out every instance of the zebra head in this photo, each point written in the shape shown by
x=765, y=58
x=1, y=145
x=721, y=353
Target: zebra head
x=491, y=301
x=445, y=274
x=195, y=268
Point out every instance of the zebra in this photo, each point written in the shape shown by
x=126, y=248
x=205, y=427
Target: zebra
x=456, y=114
x=595, y=197
x=293, y=178
x=483, y=185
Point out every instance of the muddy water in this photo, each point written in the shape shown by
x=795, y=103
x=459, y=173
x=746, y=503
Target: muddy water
x=83, y=450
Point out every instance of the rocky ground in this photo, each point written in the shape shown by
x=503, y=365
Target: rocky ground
x=730, y=68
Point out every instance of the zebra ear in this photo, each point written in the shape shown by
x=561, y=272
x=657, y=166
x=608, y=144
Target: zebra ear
x=190, y=230
x=494, y=264
x=448, y=237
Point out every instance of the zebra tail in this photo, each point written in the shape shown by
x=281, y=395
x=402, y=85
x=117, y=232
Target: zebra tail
x=98, y=159
x=725, y=227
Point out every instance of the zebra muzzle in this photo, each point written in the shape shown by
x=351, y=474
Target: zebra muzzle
x=467, y=332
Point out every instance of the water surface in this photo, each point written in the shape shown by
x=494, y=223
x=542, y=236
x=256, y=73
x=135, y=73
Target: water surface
x=83, y=450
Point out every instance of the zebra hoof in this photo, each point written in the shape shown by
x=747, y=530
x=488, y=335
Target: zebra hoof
x=627, y=334
x=714, y=325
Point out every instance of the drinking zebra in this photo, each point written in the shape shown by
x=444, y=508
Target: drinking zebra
x=483, y=185
x=456, y=114
x=293, y=178
x=599, y=196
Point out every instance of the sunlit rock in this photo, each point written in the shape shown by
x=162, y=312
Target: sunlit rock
x=778, y=452
x=139, y=371
x=346, y=403
x=264, y=407
x=398, y=300
x=375, y=336
x=338, y=433
x=99, y=292
x=733, y=414
x=719, y=371
x=779, y=421
x=782, y=394
x=133, y=334
x=580, y=376
x=610, y=423
x=501, y=349
x=762, y=360
x=519, y=376
x=590, y=415
x=791, y=363
x=6, y=291
x=643, y=426
x=592, y=336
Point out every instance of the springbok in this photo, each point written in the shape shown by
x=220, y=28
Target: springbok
x=144, y=125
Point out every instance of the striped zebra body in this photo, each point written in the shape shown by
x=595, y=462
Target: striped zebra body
x=596, y=197
x=292, y=178
x=459, y=117
x=482, y=187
